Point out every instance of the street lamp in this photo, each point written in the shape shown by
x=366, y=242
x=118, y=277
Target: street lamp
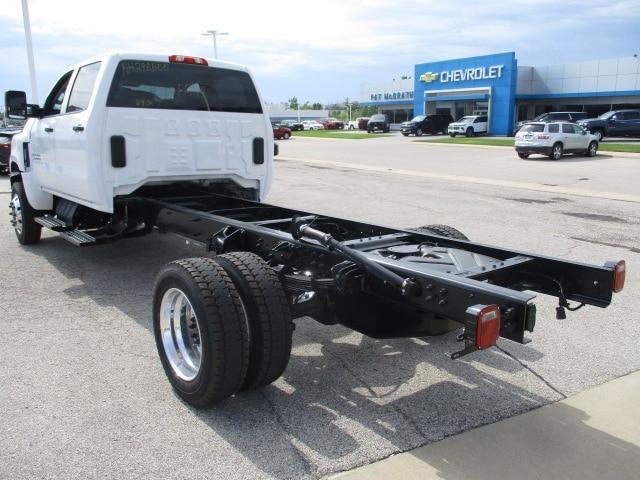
x=27, y=35
x=214, y=34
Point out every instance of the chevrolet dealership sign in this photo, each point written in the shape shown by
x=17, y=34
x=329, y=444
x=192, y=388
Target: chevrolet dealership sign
x=462, y=75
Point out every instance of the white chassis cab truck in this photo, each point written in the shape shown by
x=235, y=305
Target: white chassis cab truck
x=129, y=142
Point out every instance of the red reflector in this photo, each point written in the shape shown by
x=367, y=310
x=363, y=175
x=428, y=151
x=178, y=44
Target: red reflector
x=190, y=60
x=487, y=326
x=619, y=274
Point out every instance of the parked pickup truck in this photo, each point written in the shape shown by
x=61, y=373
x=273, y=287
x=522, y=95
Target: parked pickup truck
x=616, y=123
x=129, y=142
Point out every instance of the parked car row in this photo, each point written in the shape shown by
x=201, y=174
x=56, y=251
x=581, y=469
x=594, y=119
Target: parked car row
x=6, y=134
x=615, y=123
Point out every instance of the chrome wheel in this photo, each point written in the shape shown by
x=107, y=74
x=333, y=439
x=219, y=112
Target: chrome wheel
x=180, y=333
x=557, y=152
x=15, y=211
x=593, y=149
x=598, y=135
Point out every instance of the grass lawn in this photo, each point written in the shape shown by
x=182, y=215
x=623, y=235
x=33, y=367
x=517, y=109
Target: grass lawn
x=508, y=142
x=335, y=134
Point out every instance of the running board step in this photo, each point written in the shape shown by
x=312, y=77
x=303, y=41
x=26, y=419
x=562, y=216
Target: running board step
x=70, y=234
x=78, y=238
x=53, y=223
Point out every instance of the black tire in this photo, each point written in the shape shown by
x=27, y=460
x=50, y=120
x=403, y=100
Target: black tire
x=224, y=336
x=22, y=216
x=269, y=315
x=452, y=135
x=286, y=135
x=469, y=132
x=523, y=155
x=556, y=151
x=442, y=230
x=418, y=132
x=592, y=150
x=405, y=134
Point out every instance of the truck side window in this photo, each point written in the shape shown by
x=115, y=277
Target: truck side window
x=553, y=128
x=568, y=128
x=53, y=103
x=83, y=87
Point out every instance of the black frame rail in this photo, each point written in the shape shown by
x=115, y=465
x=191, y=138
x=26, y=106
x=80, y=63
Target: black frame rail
x=221, y=223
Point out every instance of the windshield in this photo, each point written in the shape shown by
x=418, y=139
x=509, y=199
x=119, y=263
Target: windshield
x=175, y=86
x=418, y=118
x=467, y=119
x=606, y=115
x=533, y=127
x=378, y=118
x=540, y=117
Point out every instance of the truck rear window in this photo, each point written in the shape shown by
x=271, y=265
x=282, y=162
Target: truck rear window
x=172, y=86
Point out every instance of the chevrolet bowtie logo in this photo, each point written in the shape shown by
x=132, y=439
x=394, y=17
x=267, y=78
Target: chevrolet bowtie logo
x=428, y=77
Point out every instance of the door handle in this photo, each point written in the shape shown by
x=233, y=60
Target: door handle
x=48, y=129
x=78, y=128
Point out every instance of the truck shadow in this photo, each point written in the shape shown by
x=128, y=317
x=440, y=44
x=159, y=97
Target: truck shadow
x=344, y=400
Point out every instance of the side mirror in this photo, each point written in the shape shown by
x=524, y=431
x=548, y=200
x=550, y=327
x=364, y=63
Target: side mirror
x=16, y=104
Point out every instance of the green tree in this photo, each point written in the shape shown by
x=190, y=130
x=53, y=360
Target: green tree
x=293, y=103
x=316, y=106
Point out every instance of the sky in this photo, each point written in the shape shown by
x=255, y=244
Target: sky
x=316, y=50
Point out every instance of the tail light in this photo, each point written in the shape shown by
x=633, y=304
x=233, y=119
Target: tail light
x=190, y=60
x=619, y=273
x=487, y=324
x=481, y=329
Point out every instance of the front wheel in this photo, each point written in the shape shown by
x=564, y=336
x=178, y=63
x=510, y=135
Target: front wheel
x=452, y=135
x=23, y=216
x=286, y=135
x=592, y=151
x=419, y=132
x=469, y=132
x=523, y=155
x=201, y=330
x=598, y=134
x=556, y=152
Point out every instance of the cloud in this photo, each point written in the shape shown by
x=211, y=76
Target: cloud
x=320, y=47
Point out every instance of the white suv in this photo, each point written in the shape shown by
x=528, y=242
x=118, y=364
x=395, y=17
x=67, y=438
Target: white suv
x=470, y=125
x=554, y=139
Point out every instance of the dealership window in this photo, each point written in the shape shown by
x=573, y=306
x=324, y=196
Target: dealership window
x=398, y=115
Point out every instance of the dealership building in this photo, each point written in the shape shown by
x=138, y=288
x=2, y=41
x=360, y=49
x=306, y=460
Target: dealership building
x=507, y=92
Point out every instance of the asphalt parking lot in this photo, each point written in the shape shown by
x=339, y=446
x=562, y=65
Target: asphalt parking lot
x=83, y=394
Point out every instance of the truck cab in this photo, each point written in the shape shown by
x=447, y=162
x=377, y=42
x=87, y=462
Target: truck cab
x=118, y=122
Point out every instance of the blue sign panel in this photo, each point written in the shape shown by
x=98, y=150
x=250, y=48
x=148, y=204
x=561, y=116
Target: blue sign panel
x=493, y=75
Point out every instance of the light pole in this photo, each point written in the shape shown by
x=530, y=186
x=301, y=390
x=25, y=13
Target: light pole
x=214, y=34
x=32, y=68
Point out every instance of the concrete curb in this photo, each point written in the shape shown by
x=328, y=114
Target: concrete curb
x=592, y=435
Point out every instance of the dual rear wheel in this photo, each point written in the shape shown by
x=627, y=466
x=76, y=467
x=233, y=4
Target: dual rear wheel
x=221, y=325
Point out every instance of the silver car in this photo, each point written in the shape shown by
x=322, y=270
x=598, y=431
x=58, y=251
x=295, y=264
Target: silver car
x=554, y=140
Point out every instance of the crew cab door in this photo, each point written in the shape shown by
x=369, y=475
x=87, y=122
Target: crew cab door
x=75, y=139
x=42, y=148
x=631, y=121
